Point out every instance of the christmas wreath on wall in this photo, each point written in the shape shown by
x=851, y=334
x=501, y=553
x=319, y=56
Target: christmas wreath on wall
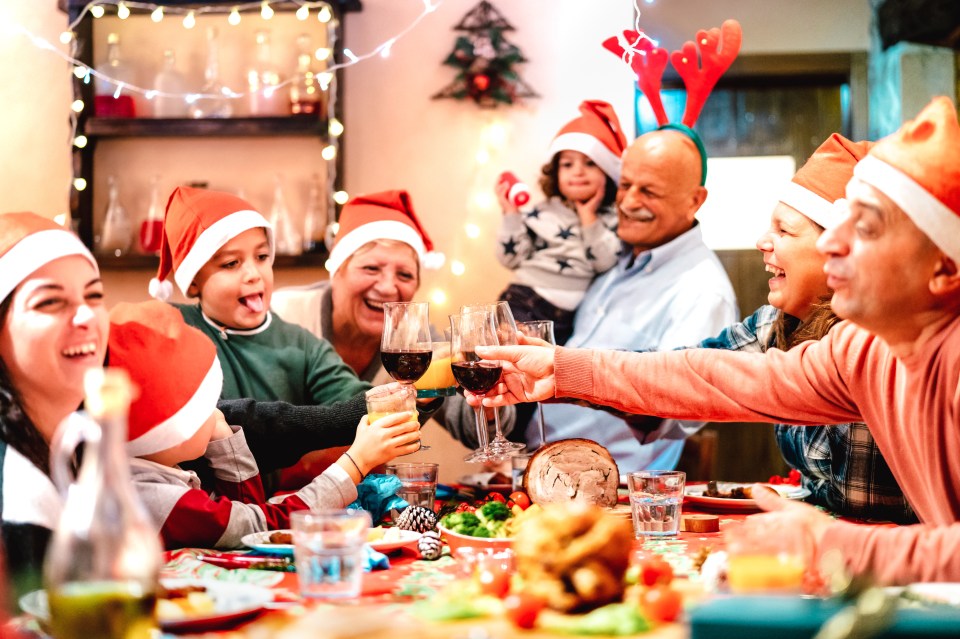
x=486, y=61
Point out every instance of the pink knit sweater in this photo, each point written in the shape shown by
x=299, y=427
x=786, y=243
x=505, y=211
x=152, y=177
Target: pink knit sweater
x=911, y=405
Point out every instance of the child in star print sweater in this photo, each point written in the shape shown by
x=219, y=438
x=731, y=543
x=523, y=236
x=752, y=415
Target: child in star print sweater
x=559, y=246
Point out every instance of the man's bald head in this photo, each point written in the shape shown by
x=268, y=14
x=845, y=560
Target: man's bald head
x=659, y=192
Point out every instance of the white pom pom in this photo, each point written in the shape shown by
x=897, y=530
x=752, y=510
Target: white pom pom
x=434, y=260
x=160, y=290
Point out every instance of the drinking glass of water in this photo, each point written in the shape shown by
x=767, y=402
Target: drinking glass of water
x=418, y=482
x=655, y=500
x=328, y=551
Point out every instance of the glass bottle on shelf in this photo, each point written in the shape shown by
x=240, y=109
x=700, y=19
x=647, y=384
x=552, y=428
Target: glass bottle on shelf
x=116, y=234
x=110, y=100
x=214, y=103
x=170, y=81
x=101, y=567
x=305, y=94
x=286, y=237
x=263, y=81
x=151, y=228
x=315, y=218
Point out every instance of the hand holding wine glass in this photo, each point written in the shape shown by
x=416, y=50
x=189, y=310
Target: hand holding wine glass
x=405, y=346
x=540, y=329
x=468, y=331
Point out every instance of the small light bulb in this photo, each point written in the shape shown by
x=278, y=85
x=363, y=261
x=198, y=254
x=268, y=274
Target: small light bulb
x=157, y=14
x=266, y=11
x=350, y=54
x=325, y=79
x=79, y=72
x=234, y=18
x=77, y=106
x=457, y=267
x=438, y=296
x=472, y=230
x=119, y=90
x=334, y=229
x=151, y=94
x=324, y=14
x=329, y=152
x=303, y=13
x=341, y=197
x=323, y=53
x=190, y=21
x=62, y=219
x=191, y=98
x=79, y=184
x=496, y=134
x=484, y=199
x=385, y=51
x=268, y=92
x=66, y=37
x=123, y=12
x=80, y=141
x=327, y=264
x=335, y=128
x=96, y=11
x=483, y=156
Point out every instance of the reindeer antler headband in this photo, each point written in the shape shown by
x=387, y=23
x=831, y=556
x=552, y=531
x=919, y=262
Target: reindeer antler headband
x=715, y=49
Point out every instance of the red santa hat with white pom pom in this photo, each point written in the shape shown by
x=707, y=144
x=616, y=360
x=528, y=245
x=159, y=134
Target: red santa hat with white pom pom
x=175, y=368
x=197, y=223
x=387, y=215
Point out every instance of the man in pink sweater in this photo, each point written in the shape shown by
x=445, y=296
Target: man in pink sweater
x=894, y=266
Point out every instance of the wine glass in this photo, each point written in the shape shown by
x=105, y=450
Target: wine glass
x=541, y=329
x=507, y=336
x=467, y=331
x=405, y=346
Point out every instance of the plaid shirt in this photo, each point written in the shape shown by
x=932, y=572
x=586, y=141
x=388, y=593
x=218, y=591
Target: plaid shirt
x=840, y=465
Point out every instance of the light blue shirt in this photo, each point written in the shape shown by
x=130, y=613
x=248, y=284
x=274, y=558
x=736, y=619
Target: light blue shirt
x=673, y=295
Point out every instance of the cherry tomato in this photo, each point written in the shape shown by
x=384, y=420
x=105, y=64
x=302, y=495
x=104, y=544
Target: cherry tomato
x=775, y=480
x=464, y=507
x=496, y=497
x=494, y=582
x=523, y=609
x=520, y=498
x=655, y=570
x=662, y=603
x=793, y=477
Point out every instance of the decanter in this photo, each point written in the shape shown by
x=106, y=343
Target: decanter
x=151, y=228
x=102, y=565
x=214, y=103
x=315, y=218
x=116, y=235
x=171, y=87
x=263, y=81
x=306, y=95
x=109, y=100
x=286, y=238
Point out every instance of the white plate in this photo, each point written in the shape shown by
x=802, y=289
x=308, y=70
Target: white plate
x=405, y=538
x=695, y=496
x=232, y=602
x=940, y=593
x=480, y=480
x=260, y=541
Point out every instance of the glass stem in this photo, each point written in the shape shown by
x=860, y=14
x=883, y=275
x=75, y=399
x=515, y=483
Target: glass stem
x=499, y=431
x=481, y=429
x=543, y=428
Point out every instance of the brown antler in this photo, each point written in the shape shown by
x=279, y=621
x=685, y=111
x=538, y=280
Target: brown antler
x=718, y=49
x=648, y=62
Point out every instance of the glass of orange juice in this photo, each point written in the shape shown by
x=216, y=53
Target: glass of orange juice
x=438, y=381
x=767, y=555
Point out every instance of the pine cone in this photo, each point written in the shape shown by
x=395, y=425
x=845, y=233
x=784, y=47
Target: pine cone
x=430, y=546
x=418, y=519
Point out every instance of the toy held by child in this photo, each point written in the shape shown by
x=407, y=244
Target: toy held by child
x=558, y=247
x=175, y=419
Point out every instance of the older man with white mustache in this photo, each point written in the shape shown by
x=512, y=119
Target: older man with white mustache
x=667, y=290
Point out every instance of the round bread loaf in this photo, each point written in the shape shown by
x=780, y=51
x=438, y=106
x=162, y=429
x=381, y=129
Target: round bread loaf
x=577, y=470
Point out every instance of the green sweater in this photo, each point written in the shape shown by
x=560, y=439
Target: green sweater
x=277, y=361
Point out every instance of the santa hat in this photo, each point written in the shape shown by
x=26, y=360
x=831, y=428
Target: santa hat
x=176, y=369
x=918, y=167
x=29, y=241
x=596, y=134
x=820, y=183
x=388, y=215
x=197, y=223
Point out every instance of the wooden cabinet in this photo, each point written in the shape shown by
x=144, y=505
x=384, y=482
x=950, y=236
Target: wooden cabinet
x=129, y=144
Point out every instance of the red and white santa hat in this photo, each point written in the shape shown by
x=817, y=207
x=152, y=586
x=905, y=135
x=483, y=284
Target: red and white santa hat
x=918, y=167
x=175, y=368
x=29, y=241
x=822, y=181
x=596, y=134
x=387, y=215
x=197, y=223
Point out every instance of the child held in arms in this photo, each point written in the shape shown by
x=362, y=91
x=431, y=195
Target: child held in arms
x=559, y=246
x=174, y=418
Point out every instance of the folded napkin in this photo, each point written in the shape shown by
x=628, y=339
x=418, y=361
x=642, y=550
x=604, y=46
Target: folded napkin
x=377, y=494
x=374, y=560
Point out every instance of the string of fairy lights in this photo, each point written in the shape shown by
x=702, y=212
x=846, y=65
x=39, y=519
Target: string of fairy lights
x=234, y=14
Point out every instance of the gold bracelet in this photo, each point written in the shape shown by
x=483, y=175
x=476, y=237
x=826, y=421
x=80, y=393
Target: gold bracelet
x=355, y=465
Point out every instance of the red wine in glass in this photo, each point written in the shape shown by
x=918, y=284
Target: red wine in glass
x=406, y=366
x=478, y=376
